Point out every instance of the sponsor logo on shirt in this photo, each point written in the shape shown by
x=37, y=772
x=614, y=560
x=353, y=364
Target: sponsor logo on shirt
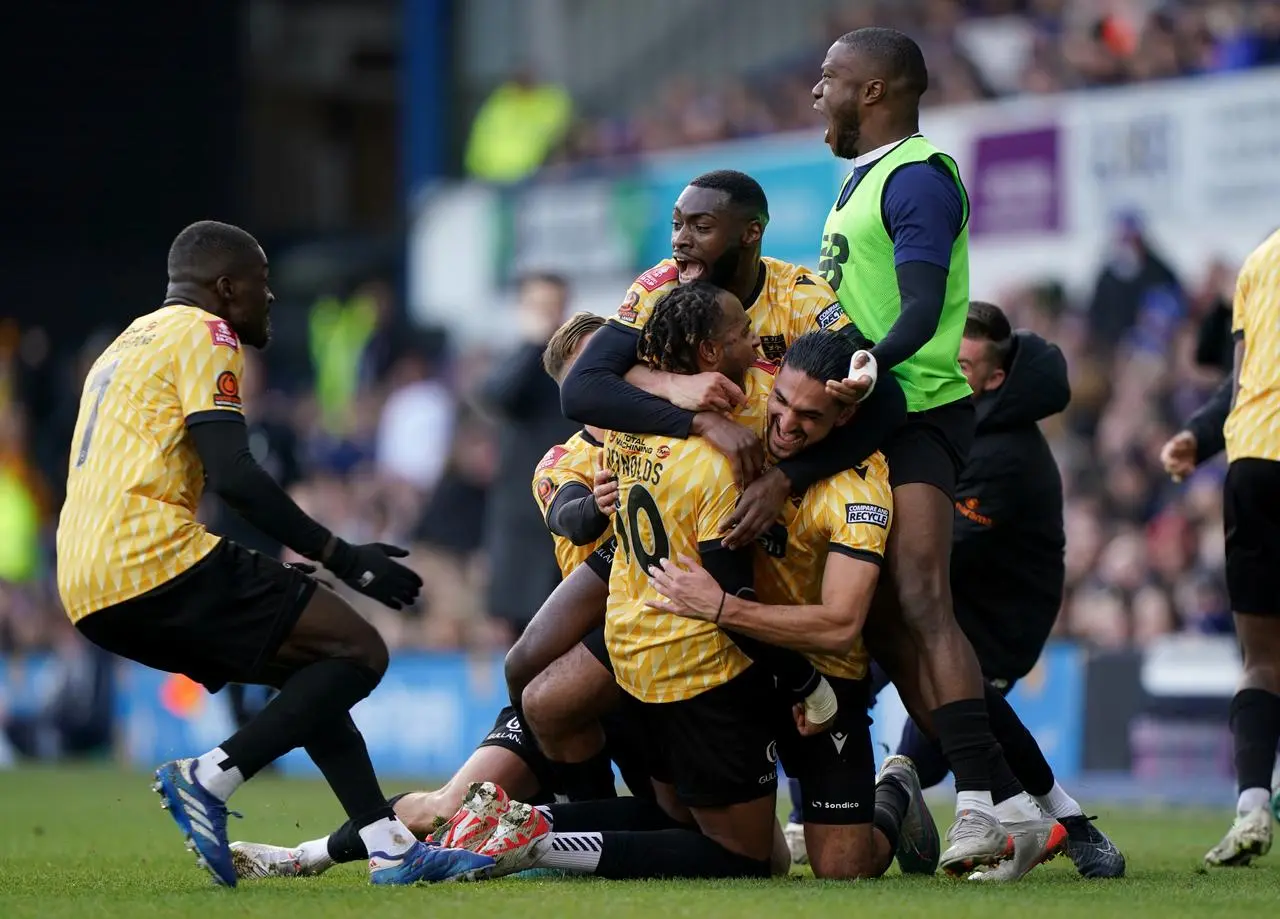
x=226, y=392
x=830, y=316
x=873, y=514
x=628, y=312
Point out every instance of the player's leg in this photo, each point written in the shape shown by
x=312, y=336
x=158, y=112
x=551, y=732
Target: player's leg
x=1251, y=495
x=563, y=706
x=572, y=610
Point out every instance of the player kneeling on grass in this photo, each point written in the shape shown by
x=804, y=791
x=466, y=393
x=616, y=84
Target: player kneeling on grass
x=815, y=573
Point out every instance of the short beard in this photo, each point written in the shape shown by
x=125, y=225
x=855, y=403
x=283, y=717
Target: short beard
x=725, y=268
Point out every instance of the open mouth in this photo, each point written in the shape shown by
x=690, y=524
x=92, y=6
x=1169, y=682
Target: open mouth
x=690, y=270
x=783, y=443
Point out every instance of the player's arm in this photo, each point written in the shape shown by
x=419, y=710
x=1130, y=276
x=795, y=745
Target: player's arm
x=1208, y=421
x=208, y=384
x=924, y=213
x=574, y=515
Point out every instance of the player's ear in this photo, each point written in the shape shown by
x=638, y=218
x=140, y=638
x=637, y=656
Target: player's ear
x=225, y=288
x=752, y=233
x=873, y=91
x=708, y=352
x=995, y=381
x=846, y=414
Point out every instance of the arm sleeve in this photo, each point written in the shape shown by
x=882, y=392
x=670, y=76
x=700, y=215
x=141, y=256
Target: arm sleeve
x=923, y=213
x=851, y=444
x=233, y=473
x=508, y=388
x=595, y=392
x=1208, y=421
x=575, y=516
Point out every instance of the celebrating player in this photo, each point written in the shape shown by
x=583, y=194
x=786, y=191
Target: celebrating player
x=816, y=574
x=1251, y=514
x=718, y=223
x=139, y=576
x=508, y=756
x=901, y=219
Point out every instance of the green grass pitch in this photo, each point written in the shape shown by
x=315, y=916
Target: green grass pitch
x=93, y=843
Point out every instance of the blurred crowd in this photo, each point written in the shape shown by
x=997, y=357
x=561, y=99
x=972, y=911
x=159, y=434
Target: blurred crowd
x=391, y=436
x=976, y=49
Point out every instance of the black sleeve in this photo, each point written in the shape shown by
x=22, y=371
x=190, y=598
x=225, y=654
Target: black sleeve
x=595, y=392
x=1213, y=338
x=575, y=515
x=508, y=389
x=850, y=445
x=233, y=473
x=732, y=570
x=1207, y=423
x=923, y=288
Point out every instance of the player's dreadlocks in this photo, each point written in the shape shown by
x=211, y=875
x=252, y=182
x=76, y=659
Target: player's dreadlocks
x=822, y=356
x=683, y=319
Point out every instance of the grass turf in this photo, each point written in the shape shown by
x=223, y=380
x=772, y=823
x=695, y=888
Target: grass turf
x=90, y=842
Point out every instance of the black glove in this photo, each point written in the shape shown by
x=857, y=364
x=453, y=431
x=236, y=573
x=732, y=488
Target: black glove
x=370, y=570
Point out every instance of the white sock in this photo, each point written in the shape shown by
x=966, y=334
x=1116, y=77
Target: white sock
x=975, y=801
x=217, y=781
x=578, y=852
x=1018, y=809
x=1058, y=804
x=314, y=855
x=386, y=836
x=1251, y=799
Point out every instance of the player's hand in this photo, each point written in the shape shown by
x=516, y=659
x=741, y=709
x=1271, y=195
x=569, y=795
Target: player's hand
x=818, y=711
x=1178, y=455
x=688, y=588
x=742, y=448
x=757, y=509
x=860, y=382
x=705, y=392
x=370, y=570
x=606, y=491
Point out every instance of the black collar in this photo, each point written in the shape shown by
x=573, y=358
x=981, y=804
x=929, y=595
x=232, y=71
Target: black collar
x=586, y=435
x=755, y=294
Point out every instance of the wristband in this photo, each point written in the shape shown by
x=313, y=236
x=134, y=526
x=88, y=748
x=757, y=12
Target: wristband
x=821, y=704
x=868, y=370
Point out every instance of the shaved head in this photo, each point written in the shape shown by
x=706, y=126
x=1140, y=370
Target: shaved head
x=897, y=59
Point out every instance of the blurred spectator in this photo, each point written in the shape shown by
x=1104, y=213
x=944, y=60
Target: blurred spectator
x=416, y=426
x=351, y=343
x=1134, y=283
x=516, y=128
x=526, y=403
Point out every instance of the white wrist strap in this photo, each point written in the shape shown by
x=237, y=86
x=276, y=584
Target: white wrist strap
x=820, y=705
x=868, y=370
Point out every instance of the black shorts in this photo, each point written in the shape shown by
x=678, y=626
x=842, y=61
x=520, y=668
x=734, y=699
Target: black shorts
x=595, y=643
x=836, y=769
x=220, y=621
x=601, y=560
x=1251, y=517
x=717, y=748
x=932, y=446
x=508, y=732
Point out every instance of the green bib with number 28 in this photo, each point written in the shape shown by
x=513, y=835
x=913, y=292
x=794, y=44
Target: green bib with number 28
x=857, y=260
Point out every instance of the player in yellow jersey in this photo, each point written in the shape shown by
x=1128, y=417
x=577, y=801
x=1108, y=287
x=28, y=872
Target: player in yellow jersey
x=508, y=756
x=1251, y=515
x=816, y=573
x=139, y=576
x=717, y=230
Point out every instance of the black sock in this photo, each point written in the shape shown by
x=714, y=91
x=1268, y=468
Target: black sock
x=655, y=854
x=1255, y=730
x=638, y=814
x=892, y=802
x=341, y=755
x=590, y=780
x=931, y=765
x=345, y=844
x=964, y=731
x=313, y=699
x=1021, y=751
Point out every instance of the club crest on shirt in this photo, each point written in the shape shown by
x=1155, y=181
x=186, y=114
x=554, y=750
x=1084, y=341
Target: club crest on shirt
x=545, y=489
x=873, y=514
x=222, y=334
x=655, y=277
x=226, y=393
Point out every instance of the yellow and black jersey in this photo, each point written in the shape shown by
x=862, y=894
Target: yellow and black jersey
x=849, y=513
x=575, y=460
x=673, y=496
x=790, y=301
x=135, y=480
x=1253, y=427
